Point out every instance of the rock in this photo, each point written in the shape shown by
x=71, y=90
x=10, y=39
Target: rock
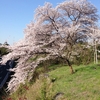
x=58, y=96
x=53, y=79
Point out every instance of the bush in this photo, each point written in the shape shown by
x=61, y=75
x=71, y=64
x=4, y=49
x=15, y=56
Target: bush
x=4, y=51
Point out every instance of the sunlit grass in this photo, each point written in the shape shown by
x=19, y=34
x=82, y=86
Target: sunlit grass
x=84, y=84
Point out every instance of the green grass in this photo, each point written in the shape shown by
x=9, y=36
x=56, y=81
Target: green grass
x=84, y=84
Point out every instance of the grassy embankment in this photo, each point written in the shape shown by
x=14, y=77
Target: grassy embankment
x=84, y=84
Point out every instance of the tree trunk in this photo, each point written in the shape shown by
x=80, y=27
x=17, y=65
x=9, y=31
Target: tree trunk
x=95, y=53
x=69, y=64
x=71, y=68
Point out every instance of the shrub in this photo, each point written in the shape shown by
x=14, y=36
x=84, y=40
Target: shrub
x=4, y=51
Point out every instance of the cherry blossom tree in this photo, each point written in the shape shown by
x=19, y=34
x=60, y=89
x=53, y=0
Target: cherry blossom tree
x=94, y=41
x=70, y=21
x=54, y=32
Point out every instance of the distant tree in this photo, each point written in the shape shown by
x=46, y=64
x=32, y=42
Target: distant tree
x=0, y=44
x=95, y=40
x=5, y=43
x=54, y=32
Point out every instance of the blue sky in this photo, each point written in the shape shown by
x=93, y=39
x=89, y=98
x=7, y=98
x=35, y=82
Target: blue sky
x=16, y=14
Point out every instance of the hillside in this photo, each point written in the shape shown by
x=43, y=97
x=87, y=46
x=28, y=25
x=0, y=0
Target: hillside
x=59, y=84
x=69, y=32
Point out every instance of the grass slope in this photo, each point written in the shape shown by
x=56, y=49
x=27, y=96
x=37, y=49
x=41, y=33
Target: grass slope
x=59, y=84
